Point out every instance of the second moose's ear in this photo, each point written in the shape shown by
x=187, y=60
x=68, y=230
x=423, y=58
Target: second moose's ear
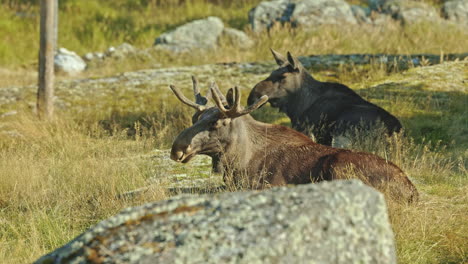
x=293, y=62
x=230, y=97
x=280, y=59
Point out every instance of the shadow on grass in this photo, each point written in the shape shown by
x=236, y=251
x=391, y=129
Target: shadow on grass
x=435, y=116
x=161, y=125
x=197, y=190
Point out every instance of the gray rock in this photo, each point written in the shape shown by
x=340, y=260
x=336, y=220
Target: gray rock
x=376, y=4
x=409, y=12
x=456, y=11
x=89, y=56
x=198, y=34
x=237, y=38
x=330, y=222
x=122, y=50
x=267, y=13
x=380, y=19
x=311, y=13
x=99, y=55
x=68, y=62
x=9, y=113
x=307, y=13
x=361, y=14
x=110, y=50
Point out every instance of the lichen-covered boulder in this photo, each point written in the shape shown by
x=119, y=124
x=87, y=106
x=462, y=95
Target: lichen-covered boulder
x=456, y=11
x=330, y=222
x=311, y=13
x=68, y=62
x=409, y=12
x=305, y=13
x=267, y=13
x=237, y=38
x=198, y=34
x=361, y=14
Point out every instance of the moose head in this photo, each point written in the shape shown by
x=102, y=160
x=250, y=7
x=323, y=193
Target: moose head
x=215, y=128
x=281, y=82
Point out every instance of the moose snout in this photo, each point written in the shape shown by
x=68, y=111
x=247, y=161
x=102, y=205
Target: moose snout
x=253, y=96
x=179, y=152
x=262, y=88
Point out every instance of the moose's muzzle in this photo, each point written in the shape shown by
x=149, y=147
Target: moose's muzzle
x=181, y=153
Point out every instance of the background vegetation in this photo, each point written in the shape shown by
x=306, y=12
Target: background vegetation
x=57, y=178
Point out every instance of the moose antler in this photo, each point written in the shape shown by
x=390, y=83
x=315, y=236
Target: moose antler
x=214, y=87
x=200, y=101
x=235, y=110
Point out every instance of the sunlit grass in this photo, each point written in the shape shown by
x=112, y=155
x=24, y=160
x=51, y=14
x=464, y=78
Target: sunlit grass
x=94, y=26
x=58, y=178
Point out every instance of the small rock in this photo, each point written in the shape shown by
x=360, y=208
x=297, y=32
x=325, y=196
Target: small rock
x=123, y=50
x=456, y=11
x=89, y=56
x=99, y=55
x=237, y=38
x=198, y=34
x=9, y=113
x=68, y=62
x=110, y=50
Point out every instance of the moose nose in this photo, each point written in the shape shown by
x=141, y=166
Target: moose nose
x=178, y=153
x=252, y=97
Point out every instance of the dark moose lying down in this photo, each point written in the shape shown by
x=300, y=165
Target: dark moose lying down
x=327, y=110
x=272, y=155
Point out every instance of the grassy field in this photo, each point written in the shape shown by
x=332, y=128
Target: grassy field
x=92, y=25
x=58, y=178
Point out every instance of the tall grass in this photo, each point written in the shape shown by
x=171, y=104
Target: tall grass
x=57, y=180
x=60, y=177
x=88, y=26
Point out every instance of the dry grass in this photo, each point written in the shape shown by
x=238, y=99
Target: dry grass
x=57, y=180
x=60, y=177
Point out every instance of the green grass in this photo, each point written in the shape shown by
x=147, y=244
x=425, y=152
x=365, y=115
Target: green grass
x=89, y=26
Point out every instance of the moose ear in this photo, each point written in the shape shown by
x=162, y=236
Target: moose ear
x=293, y=62
x=280, y=59
x=230, y=97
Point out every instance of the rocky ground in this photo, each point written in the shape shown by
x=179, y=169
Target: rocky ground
x=80, y=93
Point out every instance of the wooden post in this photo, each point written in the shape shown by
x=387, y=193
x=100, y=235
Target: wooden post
x=45, y=93
x=56, y=23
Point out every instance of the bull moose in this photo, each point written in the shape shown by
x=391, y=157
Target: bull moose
x=274, y=155
x=331, y=111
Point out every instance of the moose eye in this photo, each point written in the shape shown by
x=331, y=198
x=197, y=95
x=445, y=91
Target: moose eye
x=213, y=125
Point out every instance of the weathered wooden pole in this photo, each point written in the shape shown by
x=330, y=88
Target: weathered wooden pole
x=45, y=93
